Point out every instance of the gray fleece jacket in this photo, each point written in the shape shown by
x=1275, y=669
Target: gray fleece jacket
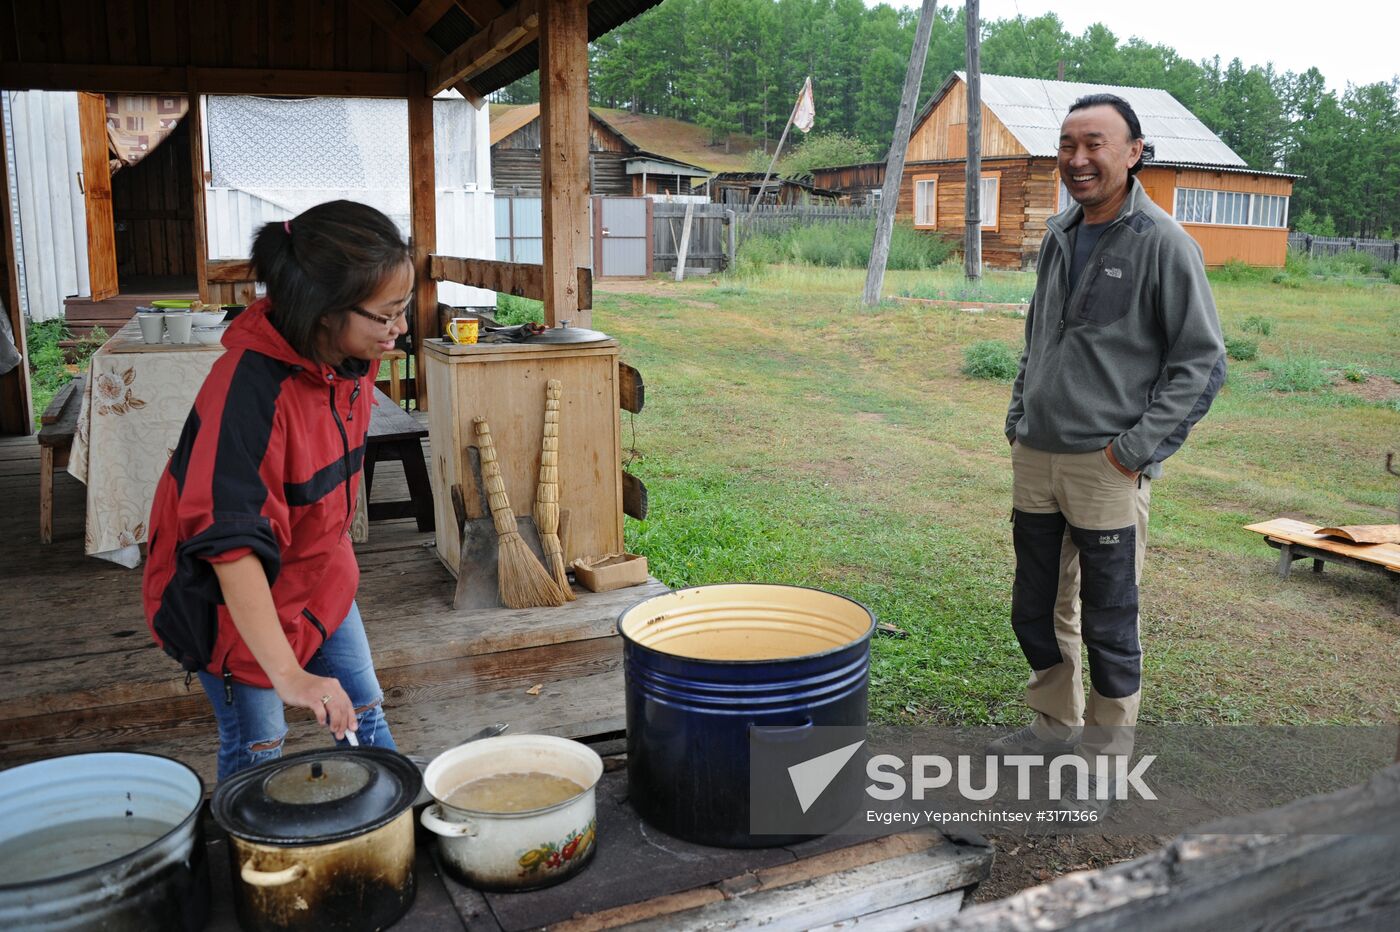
x=1133, y=356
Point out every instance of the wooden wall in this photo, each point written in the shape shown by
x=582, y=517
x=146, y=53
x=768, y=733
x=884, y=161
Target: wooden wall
x=600, y=138
x=943, y=134
x=1221, y=243
x=288, y=34
x=1262, y=246
x=1015, y=241
x=153, y=206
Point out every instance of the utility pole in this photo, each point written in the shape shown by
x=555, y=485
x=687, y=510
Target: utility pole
x=894, y=162
x=972, y=229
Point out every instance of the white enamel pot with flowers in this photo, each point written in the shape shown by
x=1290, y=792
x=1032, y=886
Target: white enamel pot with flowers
x=514, y=850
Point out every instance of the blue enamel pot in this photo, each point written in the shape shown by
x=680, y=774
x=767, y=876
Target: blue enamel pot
x=708, y=668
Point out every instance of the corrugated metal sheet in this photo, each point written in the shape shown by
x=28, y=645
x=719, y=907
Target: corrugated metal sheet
x=48, y=158
x=1033, y=109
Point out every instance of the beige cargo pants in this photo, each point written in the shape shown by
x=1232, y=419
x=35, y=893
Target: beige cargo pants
x=1080, y=533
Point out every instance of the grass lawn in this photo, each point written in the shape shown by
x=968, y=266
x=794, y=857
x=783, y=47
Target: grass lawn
x=791, y=435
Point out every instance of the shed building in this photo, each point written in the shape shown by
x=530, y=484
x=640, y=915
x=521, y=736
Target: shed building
x=616, y=164
x=1233, y=211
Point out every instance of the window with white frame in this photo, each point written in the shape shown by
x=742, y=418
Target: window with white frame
x=926, y=202
x=1231, y=208
x=990, y=191
x=1268, y=210
x=1064, y=200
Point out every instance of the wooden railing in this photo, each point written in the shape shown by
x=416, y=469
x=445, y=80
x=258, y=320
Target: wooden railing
x=522, y=279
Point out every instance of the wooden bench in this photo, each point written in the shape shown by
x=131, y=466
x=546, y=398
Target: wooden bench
x=1298, y=540
x=394, y=434
x=59, y=422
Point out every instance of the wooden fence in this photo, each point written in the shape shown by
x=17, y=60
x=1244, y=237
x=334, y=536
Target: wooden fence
x=779, y=219
x=709, y=236
x=1384, y=249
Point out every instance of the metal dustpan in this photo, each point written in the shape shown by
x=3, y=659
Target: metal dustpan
x=478, y=566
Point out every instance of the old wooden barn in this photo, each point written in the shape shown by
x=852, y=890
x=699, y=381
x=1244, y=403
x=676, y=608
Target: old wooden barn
x=616, y=164
x=1233, y=211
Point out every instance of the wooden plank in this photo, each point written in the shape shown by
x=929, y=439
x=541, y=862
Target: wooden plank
x=480, y=12
x=631, y=390
x=1323, y=862
x=97, y=196
x=1299, y=532
x=634, y=497
x=867, y=877
x=157, y=79
x=409, y=34
x=564, y=154
x=230, y=271
x=506, y=34
x=16, y=412
x=423, y=210
x=522, y=279
x=194, y=119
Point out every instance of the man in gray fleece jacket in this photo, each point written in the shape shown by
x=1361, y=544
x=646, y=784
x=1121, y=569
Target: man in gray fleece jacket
x=1123, y=355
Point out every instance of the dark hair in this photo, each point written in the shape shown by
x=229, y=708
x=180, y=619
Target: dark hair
x=321, y=263
x=1125, y=110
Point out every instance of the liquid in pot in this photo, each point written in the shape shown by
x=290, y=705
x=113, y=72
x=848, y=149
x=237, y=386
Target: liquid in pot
x=513, y=792
x=64, y=849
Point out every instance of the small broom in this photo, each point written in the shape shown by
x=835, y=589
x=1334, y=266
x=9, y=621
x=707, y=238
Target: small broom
x=523, y=581
x=547, y=494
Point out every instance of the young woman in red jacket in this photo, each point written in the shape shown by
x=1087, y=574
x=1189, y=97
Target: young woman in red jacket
x=251, y=578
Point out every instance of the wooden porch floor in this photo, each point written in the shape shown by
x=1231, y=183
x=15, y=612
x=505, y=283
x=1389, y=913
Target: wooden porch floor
x=79, y=672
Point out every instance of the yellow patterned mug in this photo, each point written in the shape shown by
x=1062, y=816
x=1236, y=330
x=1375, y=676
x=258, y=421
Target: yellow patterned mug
x=462, y=330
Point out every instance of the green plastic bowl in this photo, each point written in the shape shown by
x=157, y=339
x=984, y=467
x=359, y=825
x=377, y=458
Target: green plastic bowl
x=173, y=304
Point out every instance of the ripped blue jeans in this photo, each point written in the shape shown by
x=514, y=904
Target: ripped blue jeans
x=253, y=727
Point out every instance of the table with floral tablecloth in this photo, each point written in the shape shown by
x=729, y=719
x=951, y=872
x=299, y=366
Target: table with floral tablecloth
x=135, y=402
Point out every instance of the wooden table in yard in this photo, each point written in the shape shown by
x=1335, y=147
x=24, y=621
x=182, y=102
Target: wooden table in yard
x=135, y=402
x=1298, y=540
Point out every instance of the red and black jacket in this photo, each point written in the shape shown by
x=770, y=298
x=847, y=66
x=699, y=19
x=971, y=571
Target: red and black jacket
x=268, y=463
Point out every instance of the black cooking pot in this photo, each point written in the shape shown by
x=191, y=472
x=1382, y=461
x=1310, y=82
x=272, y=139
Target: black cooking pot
x=102, y=841
x=322, y=839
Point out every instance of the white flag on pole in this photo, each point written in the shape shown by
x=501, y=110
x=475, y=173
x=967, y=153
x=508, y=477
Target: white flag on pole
x=806, y=111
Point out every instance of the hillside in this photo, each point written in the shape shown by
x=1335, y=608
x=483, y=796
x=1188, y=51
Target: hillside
x=664, y=136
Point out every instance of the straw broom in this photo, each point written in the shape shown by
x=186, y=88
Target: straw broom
x=547, y=494
x=523, y=581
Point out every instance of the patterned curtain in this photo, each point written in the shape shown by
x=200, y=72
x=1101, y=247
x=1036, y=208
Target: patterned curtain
x=136, y=124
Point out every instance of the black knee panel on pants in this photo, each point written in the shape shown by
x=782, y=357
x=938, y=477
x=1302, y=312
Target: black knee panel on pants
x=1108, y=597
x=1038, y=539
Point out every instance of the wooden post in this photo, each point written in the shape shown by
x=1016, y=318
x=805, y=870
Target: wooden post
x=894, y=162
x=564, y=156
x=194, y=118
x=972, y=229
x=16, y=414
x=732, y=221
x=422, y=200
x=685, y=242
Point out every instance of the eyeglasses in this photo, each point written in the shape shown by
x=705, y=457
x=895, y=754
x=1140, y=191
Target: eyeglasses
x=385, y=322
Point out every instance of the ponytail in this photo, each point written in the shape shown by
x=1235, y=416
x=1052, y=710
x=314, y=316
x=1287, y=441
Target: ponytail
x=322, y=263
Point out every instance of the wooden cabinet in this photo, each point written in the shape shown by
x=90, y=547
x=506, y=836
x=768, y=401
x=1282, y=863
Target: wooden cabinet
x=505, y=383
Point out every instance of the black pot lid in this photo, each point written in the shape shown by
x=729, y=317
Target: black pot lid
x=317, y=796
x=568, y=335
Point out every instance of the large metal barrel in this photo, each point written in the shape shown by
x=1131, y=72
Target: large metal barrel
x=102, y=841
x=707, y=665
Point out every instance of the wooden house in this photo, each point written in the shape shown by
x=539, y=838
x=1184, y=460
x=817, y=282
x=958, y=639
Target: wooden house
x=1233, y=211
x=738, y=189
x=616, y=165
x=306, y=48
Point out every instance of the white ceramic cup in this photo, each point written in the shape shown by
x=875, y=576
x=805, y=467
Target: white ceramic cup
x=179, y=326
x=152, y=326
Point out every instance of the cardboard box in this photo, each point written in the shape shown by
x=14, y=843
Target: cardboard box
x=610, y=571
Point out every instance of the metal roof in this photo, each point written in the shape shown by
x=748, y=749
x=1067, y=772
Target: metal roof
x=1032, y=109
